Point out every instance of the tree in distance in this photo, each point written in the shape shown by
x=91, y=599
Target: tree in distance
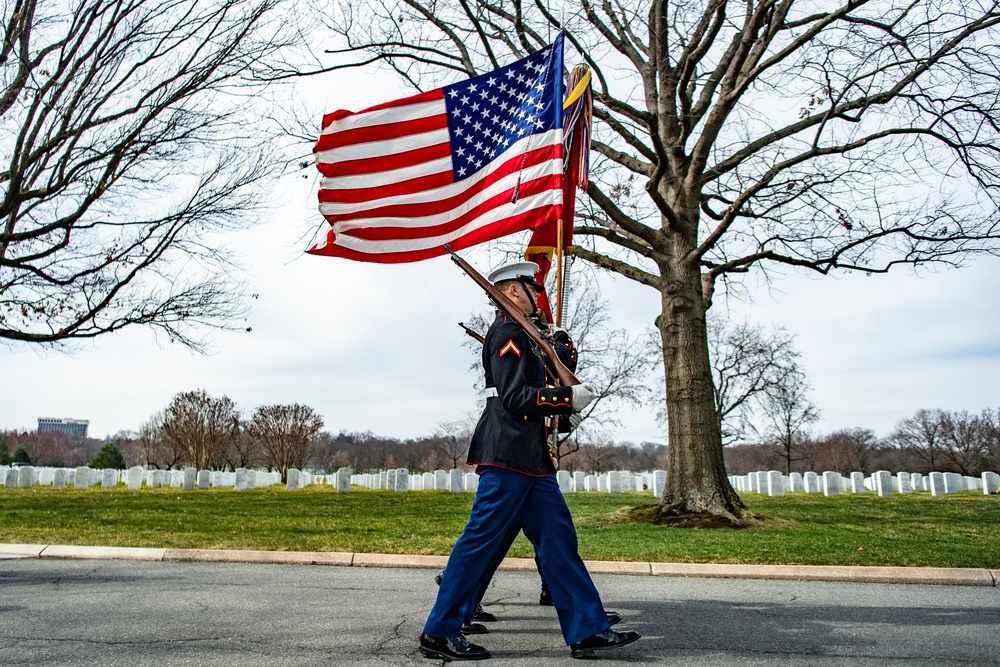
x=737, y=137
x=126, y=126
x=451, y=440
x=108, y=457
x=284, y=434
x=21, y=455
x=198, y=427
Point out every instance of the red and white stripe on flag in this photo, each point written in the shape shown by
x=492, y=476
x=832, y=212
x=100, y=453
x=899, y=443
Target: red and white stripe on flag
x=399, y=181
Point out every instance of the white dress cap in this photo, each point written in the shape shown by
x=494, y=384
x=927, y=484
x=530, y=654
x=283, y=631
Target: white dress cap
x=514, y=271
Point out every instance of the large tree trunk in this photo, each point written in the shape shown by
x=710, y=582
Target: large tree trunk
x=696, y=481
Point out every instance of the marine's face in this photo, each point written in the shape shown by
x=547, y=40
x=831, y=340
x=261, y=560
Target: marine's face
x=523, y=296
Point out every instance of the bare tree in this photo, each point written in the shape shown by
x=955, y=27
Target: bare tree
x=596, y=455
x=787, y=412
x=242, y=451
x=923, y=438
x=848, y=450
x=198, y=427
x=126, y=123
x=965, y=438
x=284, y=434
x=451, y=440
x=746, y=363
x=737, y=136
x=990, y=420
x=153, y=446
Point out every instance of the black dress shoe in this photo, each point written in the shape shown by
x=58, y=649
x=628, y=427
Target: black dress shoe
x=613, y=616
x=483, y=616
x=451, y=648
x=545, y=599
x=473, y=629
x=602, y=641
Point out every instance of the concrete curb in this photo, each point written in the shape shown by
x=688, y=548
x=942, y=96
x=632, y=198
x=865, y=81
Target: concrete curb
x=858, y=574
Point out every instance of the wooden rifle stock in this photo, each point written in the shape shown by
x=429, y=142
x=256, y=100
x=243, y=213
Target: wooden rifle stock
x=510, y=309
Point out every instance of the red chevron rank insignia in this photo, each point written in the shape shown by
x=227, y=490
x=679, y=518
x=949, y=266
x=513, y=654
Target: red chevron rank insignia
x=510, y=347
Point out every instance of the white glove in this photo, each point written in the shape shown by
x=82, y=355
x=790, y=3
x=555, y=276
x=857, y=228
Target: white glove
x=552, y=331
x=574, y=420
x=582, y=396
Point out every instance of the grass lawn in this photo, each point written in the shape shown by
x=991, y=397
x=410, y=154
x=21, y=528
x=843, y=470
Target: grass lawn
x=961, y=530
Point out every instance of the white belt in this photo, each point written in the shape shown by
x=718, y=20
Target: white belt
x=491, y=392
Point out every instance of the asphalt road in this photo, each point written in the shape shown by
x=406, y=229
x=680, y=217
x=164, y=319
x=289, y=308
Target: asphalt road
x=134, y=613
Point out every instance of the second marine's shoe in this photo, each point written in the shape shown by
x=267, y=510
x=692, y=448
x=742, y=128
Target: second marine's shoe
x=601, y=642
x=483, y=616
x=451, y=648
x=473, y=629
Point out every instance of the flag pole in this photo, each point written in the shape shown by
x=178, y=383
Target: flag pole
x=559, y=271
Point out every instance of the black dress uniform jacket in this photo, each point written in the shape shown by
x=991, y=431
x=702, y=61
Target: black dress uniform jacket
x=511, y=432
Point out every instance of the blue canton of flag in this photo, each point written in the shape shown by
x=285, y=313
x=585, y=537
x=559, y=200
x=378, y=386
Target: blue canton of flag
x=487, y=114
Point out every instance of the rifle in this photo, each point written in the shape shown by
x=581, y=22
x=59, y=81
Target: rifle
x=559, y=370
x=475, y=334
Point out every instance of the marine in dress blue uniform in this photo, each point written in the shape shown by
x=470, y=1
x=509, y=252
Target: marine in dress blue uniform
x=517, y=489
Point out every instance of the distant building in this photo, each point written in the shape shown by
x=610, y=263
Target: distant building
x=74, y=428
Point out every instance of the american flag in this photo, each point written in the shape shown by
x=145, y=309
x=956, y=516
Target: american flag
x=460, y=165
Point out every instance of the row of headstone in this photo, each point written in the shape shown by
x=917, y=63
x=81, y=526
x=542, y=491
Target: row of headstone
x=830, y=483
x=455, y=481
x=84, y=477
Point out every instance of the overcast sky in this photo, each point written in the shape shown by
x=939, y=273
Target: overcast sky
x=376, y=347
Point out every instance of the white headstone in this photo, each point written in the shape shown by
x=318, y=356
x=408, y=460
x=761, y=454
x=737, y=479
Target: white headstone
x=242, y=481
x=190, y=478
x=614, y=482
x=390, y=480
x=344, y=480
x=936, y=483
x=96, y=475
x=903, y=482
x=428, y=481
x=953, y=482
x=471, y=482
x=402, y=480
x=135, y=475
x=831, y=483
x=761, y=482
x=659, y=482
x=579, y=480
x=45, y=476
x=59, y=478
x=810, y=482
x=204, y=479
x=218, y=478
x=25, y=476
x=565, y=481
x=883, y=483
x=455, y=480
x=440, y=480
x=857, y=482
x=991, y=483
x=795, y=482
x=82, y=480
x=592, y=483
x=109, y=478
x=293, y=479
x=775, y=485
